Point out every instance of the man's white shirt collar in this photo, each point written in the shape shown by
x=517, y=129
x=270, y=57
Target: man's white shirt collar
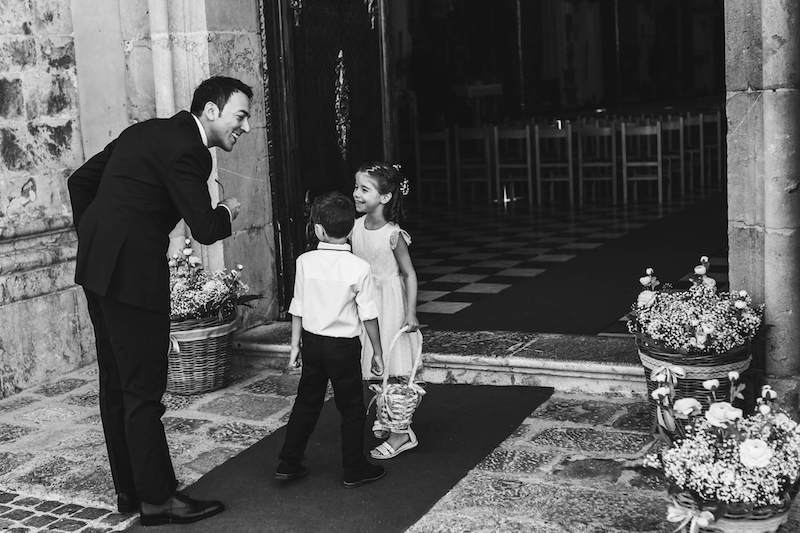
x=332, y=246
x=202, y=130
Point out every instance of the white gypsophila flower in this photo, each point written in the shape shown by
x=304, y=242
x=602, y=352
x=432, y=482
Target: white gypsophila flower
x=755, y=453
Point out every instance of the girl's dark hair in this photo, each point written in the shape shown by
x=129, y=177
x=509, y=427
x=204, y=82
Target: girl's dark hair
x=388, y=178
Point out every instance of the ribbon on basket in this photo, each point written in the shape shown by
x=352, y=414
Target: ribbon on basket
x=694, y=518
x=177, y=337
x=395, y=403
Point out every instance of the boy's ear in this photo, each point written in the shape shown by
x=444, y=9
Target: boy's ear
x=319, y=231
x=386, y=197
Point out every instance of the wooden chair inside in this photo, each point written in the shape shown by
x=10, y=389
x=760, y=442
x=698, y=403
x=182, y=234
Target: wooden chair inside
x=513, y=165
x=473, y=163
x=641, y=159
x=554, y=165
x=597, y=162
x=432, y=152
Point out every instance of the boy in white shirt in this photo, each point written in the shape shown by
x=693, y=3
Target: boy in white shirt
x=333, y=296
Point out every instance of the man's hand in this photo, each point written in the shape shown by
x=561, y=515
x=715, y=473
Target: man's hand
x=233, y=205
x=377, y=364
x=294, y=358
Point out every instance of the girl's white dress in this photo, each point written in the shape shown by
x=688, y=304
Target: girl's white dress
x=377, y=248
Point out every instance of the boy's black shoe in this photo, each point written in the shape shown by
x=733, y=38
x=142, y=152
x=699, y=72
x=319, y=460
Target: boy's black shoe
x=366, y=474
x=288, y=472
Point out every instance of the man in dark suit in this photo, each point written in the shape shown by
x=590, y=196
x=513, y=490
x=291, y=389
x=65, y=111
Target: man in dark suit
x=125, y=202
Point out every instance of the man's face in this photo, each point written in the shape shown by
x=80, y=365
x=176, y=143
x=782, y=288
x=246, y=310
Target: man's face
x=227, y=125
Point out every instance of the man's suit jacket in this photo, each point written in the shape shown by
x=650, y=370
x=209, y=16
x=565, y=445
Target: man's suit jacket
x=128, y=198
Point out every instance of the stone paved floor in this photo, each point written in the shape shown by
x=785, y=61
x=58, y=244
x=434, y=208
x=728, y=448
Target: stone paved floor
x=571, y=467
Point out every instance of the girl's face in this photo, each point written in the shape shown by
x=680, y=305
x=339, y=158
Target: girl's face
x=366, y=195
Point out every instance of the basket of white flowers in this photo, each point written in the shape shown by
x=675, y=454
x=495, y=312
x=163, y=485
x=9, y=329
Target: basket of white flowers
x=728, y=472
x=202, y=323
x=704, y=332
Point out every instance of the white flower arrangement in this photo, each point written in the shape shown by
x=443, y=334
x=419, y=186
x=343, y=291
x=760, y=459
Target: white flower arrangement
x=698, y=320
x=724, y=459
x=196, y=293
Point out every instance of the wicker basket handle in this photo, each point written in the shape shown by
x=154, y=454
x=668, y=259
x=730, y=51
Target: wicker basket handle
x=417, y=358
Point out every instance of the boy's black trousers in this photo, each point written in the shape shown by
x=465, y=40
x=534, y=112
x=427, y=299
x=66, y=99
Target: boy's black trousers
x=338, y=360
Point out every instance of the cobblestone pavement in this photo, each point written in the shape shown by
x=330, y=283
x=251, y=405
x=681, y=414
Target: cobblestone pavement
x=571, y=467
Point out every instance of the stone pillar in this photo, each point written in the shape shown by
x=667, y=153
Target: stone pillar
x=763, y=109
x=780, y=31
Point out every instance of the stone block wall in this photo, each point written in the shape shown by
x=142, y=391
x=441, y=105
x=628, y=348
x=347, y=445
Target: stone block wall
x=73, y=74
x=44, y=329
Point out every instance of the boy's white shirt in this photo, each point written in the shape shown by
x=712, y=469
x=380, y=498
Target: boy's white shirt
x=333, y=291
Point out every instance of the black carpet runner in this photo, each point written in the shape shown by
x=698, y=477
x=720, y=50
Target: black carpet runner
x=457, y=426
x=593, y=290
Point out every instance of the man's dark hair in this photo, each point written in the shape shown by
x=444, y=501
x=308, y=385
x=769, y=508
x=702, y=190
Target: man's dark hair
x=335, y=212
x=217, y=89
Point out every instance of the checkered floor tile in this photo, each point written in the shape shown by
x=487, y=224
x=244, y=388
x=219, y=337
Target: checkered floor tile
x=465, y=255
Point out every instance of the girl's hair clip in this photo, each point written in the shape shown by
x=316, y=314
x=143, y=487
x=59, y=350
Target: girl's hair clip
x=404, y=187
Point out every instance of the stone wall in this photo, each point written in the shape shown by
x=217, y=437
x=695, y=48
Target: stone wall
x=44, y=328
x=73, y=74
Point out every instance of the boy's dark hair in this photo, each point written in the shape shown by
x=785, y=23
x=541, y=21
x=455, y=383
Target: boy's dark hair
x=217, y=89
x=335, y=212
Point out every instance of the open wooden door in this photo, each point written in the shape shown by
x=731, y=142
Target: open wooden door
x=326, y=92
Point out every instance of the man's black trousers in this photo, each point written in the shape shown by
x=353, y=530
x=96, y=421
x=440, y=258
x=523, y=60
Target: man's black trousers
x=132, y=345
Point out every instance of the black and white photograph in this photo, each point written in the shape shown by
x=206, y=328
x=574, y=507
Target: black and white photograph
x=388, y=266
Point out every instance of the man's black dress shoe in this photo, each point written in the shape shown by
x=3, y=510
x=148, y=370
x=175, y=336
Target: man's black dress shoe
x=127, y=503
x=192, y=511
x=288, y=472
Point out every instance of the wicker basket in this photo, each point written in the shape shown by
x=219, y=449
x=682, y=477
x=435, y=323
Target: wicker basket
x=396, y=402
x=738, y=518
x=199, y=358
x=698, y=368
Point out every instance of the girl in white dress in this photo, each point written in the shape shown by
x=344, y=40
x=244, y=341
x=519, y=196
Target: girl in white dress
x=378, y=239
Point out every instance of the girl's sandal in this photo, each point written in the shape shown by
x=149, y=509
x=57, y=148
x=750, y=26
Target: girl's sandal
x=386, y=451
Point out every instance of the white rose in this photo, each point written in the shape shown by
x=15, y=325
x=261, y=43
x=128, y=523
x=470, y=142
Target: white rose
x=194, y=260
x=645, y=280
x=187, y=251
x=743, y=294
x=740, y=304
x=709, y=282
x=659, y=393
x=755, y=453
x=764, y=409
x=700, y=270
x=708, y=328
x=782, y=420
x=645, y=299
x=649, y=271
x=733, y=375
x=187, y=241
x=240, y=267
x=704, y=259
x=686, y=407
x=711, y=384
x=721, y=413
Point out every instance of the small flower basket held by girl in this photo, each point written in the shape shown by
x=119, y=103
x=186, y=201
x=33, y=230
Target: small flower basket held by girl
x=395, y=403
x=705, y=332
x=727, y=472
x=202, y=316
